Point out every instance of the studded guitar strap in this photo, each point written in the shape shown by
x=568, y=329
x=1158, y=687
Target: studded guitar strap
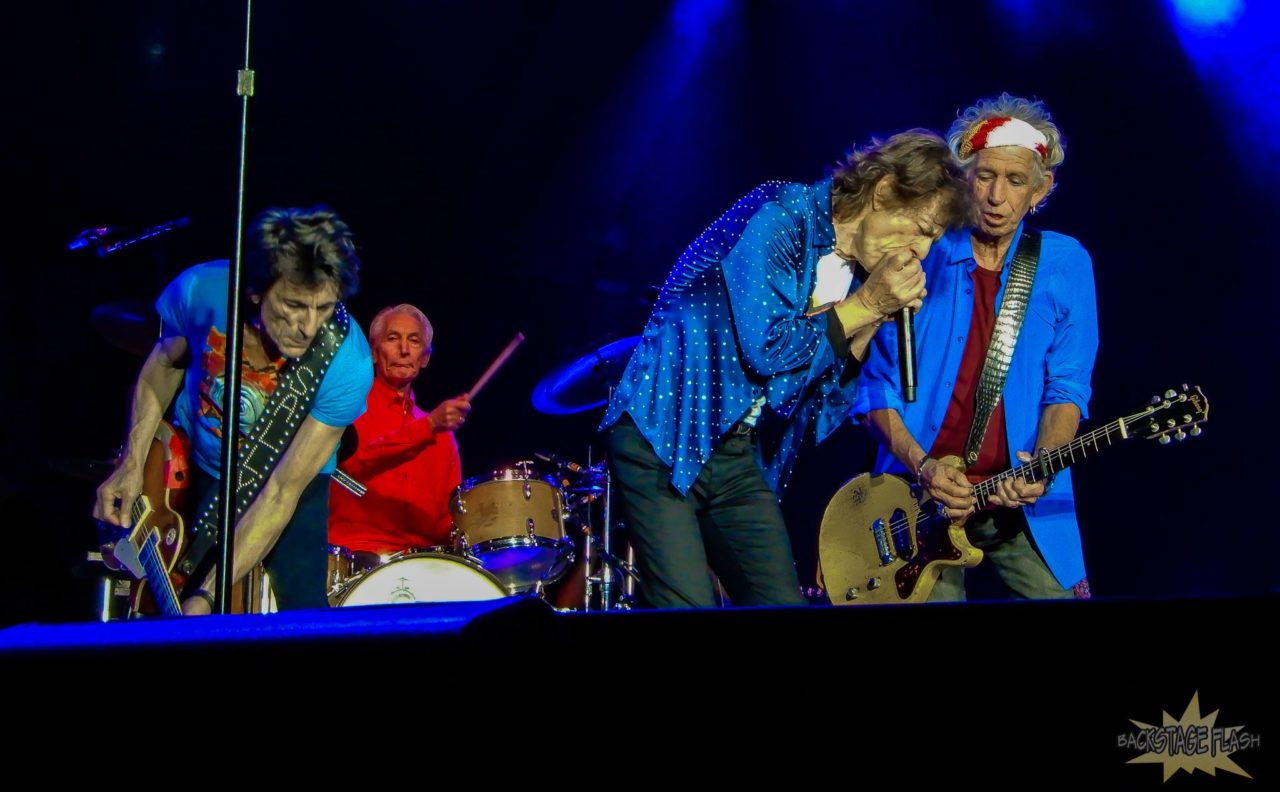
x=265, y=442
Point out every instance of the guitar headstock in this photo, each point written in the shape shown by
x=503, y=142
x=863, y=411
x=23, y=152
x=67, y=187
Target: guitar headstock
x=1171, y=415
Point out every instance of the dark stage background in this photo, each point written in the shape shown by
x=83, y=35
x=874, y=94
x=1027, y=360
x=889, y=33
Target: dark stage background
x=537, y=166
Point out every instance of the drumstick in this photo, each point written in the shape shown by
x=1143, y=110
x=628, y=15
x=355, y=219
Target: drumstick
x=495, y=365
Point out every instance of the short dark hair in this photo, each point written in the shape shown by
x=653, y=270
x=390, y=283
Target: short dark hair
x=920, y=166
x=303, y=246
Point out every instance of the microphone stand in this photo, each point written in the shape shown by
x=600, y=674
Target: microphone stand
x=229, y=463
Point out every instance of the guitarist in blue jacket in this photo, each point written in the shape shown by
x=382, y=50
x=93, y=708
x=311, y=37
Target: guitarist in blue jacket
x=1010, y=149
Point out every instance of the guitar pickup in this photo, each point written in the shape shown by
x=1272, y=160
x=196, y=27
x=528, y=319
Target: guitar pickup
x=884, y=543
x=901, y=534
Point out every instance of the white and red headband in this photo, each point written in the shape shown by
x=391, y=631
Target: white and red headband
x=1004, y=131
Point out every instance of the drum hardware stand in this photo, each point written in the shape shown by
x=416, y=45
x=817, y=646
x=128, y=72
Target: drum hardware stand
x=629, y=583
x=604, y=580
x=590, y=580
x=609, y=562
x=606, y=554
x=599, y=545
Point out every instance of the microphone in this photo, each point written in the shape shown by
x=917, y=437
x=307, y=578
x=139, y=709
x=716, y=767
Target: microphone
x=560, y=462
x=907, y=352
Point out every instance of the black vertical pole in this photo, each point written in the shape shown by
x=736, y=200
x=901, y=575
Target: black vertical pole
x=229, y=466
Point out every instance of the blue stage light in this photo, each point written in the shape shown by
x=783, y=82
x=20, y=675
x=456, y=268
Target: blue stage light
x=1207, y=13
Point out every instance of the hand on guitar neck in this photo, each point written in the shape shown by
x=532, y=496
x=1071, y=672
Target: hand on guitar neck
x=943, y=481
x=1018, y=492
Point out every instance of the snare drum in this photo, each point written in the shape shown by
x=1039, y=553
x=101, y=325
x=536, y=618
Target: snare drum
x=421, y=577
x=513, y=523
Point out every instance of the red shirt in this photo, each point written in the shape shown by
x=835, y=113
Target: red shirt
x=410, y=471
x=993, y=457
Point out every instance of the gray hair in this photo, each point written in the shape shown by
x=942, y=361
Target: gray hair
x=1033, y=112
x=378, y=327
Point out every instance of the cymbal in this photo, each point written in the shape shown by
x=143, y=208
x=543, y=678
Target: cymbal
x=583, y=384
x=131, y=325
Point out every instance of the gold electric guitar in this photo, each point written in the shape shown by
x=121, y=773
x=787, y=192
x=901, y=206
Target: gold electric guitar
x=880, y=544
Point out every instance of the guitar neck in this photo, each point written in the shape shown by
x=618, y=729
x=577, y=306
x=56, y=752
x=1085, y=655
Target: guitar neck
x=158, y=577
x=153, y=564
x=1058, y=459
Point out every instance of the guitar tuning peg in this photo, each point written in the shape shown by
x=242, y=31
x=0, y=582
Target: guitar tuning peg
x=1180, y=436
x=1195, y=431
x=1186, y=388
x=1155, y=399
x=1169, y=394
x=1164, y=439
x=1186, y=419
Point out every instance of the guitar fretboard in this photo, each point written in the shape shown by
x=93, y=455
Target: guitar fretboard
x=1058, y=459
x=152, y=564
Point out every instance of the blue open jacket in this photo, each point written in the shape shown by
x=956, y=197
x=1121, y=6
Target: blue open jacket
x=1052, y=363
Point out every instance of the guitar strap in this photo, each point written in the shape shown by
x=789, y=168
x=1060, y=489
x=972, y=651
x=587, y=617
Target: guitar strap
x=266, y=441
x=1004, y=337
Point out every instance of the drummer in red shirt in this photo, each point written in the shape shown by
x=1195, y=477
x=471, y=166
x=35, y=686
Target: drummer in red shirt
x=407, y=458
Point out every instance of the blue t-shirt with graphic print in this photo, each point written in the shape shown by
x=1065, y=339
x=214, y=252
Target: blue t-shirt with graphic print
x=194, y=306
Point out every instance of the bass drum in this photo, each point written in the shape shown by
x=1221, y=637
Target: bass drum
x=421, y=577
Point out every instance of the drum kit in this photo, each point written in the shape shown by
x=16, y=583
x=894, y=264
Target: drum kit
x=521, y=530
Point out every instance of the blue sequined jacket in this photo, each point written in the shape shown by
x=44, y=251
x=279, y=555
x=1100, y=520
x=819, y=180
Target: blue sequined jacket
x=729, y=327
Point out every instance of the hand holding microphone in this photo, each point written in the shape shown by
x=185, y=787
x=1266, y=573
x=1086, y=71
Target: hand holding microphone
x=896, y=284
x=896, y=288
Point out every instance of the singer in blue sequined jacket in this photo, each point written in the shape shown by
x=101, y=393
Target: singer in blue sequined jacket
x=753, y=341
x=729, y=327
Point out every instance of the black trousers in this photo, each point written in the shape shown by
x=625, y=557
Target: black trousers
x=297, y=565
x=729, y=521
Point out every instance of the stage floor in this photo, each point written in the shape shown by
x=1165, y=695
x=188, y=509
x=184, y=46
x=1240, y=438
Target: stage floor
x=1050, y=680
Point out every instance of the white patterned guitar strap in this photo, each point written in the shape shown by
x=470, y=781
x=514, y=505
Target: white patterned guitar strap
x=1004, y=337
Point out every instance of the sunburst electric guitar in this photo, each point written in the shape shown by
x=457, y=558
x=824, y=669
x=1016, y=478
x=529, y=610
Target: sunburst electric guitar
x=160, y=534
x=157, y=537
